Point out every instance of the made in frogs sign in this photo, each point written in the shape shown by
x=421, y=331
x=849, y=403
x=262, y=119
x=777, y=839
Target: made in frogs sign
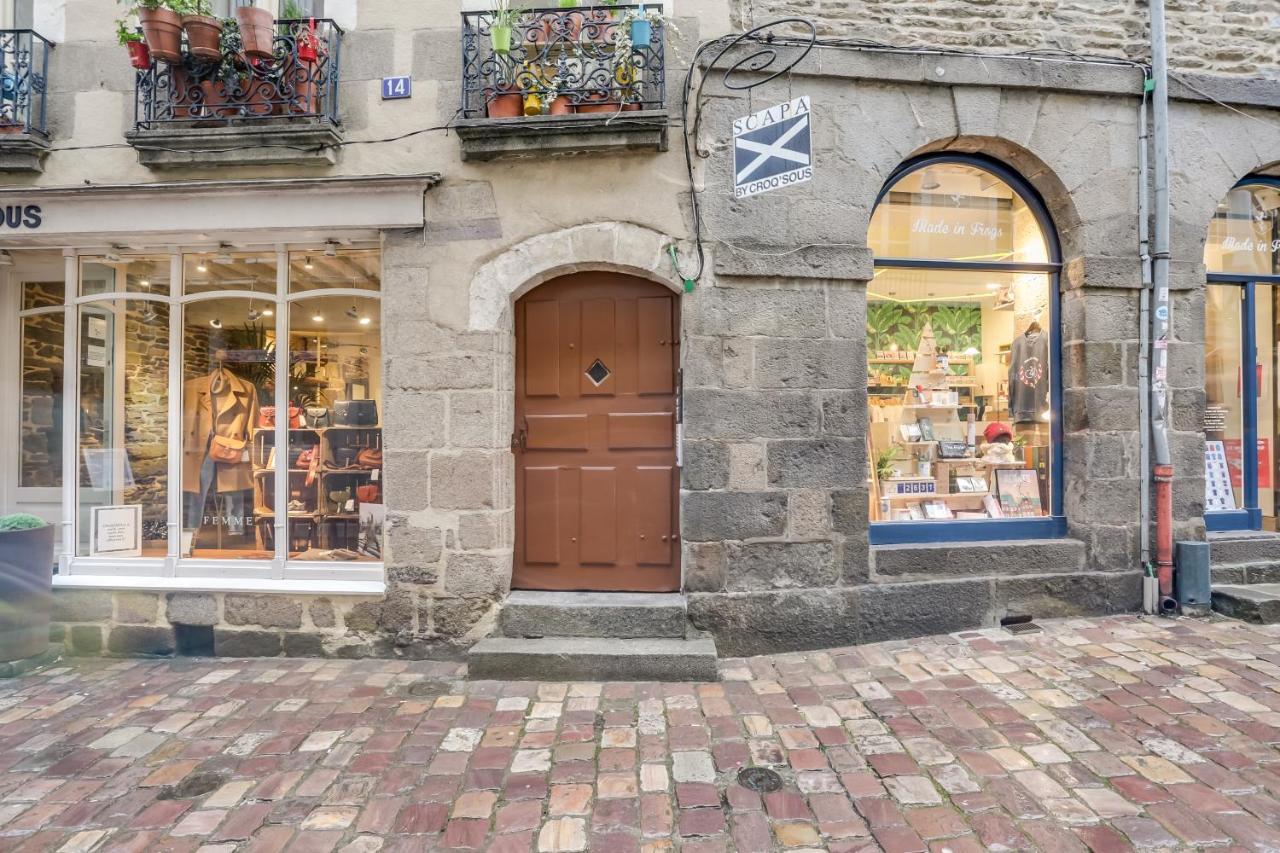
x=773, y=148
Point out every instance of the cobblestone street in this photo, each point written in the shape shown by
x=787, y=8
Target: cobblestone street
x=1104, y=734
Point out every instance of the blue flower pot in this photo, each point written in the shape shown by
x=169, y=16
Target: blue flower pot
x=641, y=33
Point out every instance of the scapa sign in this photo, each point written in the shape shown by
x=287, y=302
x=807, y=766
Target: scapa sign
x=773, y=148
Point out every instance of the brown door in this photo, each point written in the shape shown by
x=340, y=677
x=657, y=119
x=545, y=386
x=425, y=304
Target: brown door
x=596, y=478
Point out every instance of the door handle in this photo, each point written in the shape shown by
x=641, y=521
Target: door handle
x=520, y=438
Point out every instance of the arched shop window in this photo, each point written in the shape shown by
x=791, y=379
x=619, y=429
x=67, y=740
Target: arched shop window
x=964, y=395
x=195, y=371
x=1242, y=307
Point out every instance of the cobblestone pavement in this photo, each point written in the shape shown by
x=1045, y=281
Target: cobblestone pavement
x=1106, y=734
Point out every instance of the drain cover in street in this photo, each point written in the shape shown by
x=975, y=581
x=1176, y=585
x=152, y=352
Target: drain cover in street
x=759, y=779
x=428, y=689
x=195, y=785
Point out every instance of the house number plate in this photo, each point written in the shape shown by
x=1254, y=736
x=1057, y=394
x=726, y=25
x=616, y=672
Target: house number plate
x=394, y=88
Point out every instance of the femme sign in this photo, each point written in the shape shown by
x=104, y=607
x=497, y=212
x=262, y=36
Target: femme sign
x=773, y=148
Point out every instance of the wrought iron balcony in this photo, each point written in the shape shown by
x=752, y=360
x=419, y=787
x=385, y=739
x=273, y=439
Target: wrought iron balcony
x=24, y=76
x=288, y=101
x=553, y=74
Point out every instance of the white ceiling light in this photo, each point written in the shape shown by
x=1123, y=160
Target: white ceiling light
x=330, y=249
x=201, y=266
x=929, y=180
x=307, y=265
x=6, y=259
x=364, y=321
x=318, y=318
x=223, y=256
x=216, y=323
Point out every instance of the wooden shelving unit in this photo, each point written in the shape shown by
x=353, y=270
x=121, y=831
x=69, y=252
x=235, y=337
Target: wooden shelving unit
x=322, y=522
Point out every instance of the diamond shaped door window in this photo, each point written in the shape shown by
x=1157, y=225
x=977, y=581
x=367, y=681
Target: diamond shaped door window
x=597, y=372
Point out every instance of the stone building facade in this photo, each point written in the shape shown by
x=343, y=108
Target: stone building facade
x=776, y=546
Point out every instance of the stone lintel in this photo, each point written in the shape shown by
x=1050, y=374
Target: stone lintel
x=841, y=263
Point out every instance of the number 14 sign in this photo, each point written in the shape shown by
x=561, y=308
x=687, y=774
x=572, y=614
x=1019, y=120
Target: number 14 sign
x=394, y=88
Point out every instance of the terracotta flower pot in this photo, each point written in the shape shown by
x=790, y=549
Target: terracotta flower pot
x=257, y=31
x=598, y=102
x=204, y=37
x=301, y=78
x=212, y=105
x=561, y=106
x=139, y=55
x=503, y=103
x=162, y=28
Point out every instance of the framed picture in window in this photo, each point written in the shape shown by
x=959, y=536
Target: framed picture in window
x=1019, y=492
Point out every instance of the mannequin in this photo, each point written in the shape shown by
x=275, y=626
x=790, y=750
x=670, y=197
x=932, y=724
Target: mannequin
x=219, y=412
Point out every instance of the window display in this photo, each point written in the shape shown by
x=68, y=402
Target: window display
x=960, y=365
x=1242, y=255
x=42, y=371
x=228, y=379
x=124, y=422
x=238, y=338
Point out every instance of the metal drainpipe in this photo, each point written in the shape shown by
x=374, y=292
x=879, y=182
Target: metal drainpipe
x=1163, y=469
x=1144, y=325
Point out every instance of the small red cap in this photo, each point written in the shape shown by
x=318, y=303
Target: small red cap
x=996, y=430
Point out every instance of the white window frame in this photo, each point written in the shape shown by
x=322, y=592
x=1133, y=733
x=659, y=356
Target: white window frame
x=174, y=571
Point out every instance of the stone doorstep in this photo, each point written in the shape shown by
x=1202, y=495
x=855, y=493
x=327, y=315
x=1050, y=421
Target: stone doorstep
x=1259, y=603
x=625, y=615
x=15, y=668
x=592, y=659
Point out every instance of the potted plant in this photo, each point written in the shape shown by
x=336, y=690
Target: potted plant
x=204, y=32
x=884, y=464
x=257, y=32
x=639, y=24
x=131, y=38
x=26, y=586
x=503, y=100
x=505, y=17
x=161, y=23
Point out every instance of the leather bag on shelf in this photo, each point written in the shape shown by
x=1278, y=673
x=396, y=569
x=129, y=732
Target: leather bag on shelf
x=318, y=417
x=357, y=413
x=369, y=458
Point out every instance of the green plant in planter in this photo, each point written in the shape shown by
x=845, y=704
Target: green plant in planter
x=21, y=521
x=294, y=11
x=505, y=17
x=884, y=463
x=126, y=34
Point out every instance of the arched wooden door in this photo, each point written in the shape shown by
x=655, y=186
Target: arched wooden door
x=595, y=435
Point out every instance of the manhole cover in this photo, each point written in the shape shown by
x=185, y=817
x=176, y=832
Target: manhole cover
x=428, y=689
x=759, y=779
x=195, y=785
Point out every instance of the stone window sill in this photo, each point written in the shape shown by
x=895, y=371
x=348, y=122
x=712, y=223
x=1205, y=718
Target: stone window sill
x=548, y=136
x=261, y=144
x=172, y=584
x=23, y=152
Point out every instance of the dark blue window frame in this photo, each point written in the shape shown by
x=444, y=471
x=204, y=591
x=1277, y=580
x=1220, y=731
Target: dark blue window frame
x=1248, y=517
x=1053, y=525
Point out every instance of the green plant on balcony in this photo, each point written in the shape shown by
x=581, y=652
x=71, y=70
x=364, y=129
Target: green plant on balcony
x=505, y=16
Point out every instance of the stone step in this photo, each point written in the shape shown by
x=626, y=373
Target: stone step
x=1233, y=549
x=592, y=659
x=1245, y=573
x=1258, y=603
x=623, y=615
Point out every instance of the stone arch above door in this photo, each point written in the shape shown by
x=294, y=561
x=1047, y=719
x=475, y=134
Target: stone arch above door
x=613, y=246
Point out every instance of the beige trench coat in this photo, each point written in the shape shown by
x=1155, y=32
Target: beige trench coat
x=222, y=404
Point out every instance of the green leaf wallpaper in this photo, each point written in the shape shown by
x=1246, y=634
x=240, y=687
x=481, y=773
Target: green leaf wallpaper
x=956, y=327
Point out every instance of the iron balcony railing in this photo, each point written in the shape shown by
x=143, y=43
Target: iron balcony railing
x=23, y=81
x=299, y=83
x=589, y=59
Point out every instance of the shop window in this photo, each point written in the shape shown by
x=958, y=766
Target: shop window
x=228, y=409
x=335, y=355
x=42, y=373
x=124, y=428
x=962, y=372
x=1242, y=303
x=224, y=270
x=330, y=268
x=275, y=412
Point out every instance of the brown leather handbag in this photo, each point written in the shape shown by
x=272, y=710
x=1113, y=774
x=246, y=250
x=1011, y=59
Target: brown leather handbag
x=369, y=458
x=226, y=450
x=367, y=494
